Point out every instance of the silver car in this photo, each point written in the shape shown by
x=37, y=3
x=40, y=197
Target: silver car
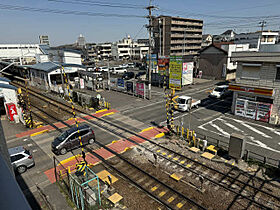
x=21, y=159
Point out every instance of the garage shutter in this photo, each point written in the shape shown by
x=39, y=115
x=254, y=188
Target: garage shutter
x=251, y=72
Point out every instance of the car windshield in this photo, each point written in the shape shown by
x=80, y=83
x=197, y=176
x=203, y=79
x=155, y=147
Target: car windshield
x=62, y=136
x=218, y=89
x=181, y=101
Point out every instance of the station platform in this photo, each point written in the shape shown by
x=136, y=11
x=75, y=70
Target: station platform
x=118, y=146
x=71, y=121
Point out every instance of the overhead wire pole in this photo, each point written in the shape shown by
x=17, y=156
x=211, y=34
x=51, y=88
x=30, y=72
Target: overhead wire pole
x=150, y=8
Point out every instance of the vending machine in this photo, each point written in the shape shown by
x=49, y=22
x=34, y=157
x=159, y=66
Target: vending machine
x=251, y=109
x=11, y=110
x=240, y=107
x=263, y=112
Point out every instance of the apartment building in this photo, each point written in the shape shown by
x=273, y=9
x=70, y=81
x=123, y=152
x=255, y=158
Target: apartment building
x=256, y=39
x=257, y=86
x=44, y=39
x=104, y=51
x=177, y=36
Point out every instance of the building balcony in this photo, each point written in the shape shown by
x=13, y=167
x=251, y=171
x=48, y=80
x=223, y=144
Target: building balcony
x=175, y=22
x=185, y=41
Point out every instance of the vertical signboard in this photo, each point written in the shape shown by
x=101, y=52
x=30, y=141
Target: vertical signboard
x=113, y=83
x=153, y=61
x=187, y=74
x=82, y=83
x=129, y=86
x=163, y=65
x=175, y=72
x=140, y=89
x=120, y=83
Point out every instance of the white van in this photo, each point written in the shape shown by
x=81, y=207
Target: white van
x=220, y=92
x=119, y=70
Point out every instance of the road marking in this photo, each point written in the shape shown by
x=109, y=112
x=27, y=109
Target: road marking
x=162, y=101
x=229, y=125
x=35, y=150
x=25, y=139
x=219, y=129
x=253, y=129
x=29, y=145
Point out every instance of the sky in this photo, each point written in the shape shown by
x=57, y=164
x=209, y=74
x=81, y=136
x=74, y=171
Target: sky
x=22, y=21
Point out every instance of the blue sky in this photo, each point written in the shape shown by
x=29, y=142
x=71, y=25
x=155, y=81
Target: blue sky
x=25, y=26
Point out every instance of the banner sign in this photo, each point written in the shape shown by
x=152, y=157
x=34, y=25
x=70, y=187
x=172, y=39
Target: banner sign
x=175, y=72
x=153, y=62
x=120, y=83
x=82, y=83
x=187, y=77
x=259, y=91
x=129, y=86
x=113, y=82
x=140, y=89
x=163, y=65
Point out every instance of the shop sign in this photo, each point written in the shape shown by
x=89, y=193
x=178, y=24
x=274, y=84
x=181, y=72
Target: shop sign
x=175, y=72
x=140, y=89
x=187, y=73
x=82, y=83
x=129, y=86
x=113, y=82
x=120, y=83
x=163, y=65
x=260, y=91
x=153, y=61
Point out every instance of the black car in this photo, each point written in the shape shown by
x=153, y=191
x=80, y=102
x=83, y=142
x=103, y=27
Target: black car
x=69, y=139
x=128, y=75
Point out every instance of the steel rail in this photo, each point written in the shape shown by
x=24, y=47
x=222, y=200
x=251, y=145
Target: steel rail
x=152, y=177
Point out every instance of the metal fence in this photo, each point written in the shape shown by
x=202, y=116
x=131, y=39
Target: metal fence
x=252, y=152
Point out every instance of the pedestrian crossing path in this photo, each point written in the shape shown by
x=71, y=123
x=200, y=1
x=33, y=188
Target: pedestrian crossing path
x=225, y=126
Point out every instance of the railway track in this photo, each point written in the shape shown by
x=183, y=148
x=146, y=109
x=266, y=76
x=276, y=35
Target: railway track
x=251, y=189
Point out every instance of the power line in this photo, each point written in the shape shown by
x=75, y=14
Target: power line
x=66, y=12
x=100, y=4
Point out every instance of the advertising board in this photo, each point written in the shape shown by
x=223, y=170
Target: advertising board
x=113, y=82
x=187, y=74
x=140, y=89
x=129, y=86
x=175, y=72
x=163, y=65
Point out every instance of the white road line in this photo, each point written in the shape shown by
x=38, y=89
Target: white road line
x=253, y=129
x=29, y=145
x=35, y=150
x=229, y=125
x=162, y=101
x=219, y=129
x=25, y=139
x=277, y=132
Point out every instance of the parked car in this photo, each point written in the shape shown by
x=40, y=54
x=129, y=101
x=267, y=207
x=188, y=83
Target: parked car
x=69, y=139
x=140, y=74
x=185, y=103
x=103, y=69
x=118, y=70
x=220, y=92
x=21, y=159
x=131, y=65
x=128, y=75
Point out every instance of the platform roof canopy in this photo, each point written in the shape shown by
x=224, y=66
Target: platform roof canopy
x=51, y=66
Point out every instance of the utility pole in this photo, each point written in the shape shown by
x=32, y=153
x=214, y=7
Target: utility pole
x=150, y=8
x=262, y=25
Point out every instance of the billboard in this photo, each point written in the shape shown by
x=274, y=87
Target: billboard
x=163, y=65
x=129, y=86
x=153, y=62
x=120, y=83
x=113, y=82
x=187, y=74
x=175, y=72
x=140, y=89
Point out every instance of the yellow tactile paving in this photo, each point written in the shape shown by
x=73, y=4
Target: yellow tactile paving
x=162, y=194
x=115, y=198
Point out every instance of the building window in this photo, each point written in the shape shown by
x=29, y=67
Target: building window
x=277, y=77
x=251, y=71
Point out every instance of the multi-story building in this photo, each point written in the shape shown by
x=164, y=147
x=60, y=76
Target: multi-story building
x=257, y=86
x=256, y=39
x=122, y=49
x=91, y=51
x=81, y=41
x=104, y=51
x=207, y=39
x=176, y=35
x=44, y=39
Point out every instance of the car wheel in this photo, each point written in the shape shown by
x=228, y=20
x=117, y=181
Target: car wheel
x=63, y=151
x=91, y=141
x=21, y=169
